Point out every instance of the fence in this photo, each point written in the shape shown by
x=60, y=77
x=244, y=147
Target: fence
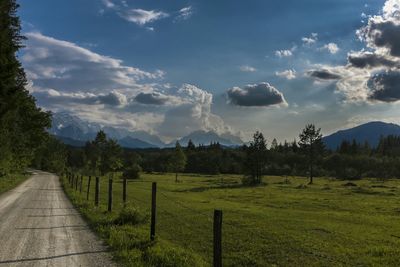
x=158, y=199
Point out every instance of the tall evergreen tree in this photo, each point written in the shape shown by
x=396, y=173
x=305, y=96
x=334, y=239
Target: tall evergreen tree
x=312, y=146
x=22, y=123
x=256, y=158
x=178, y=160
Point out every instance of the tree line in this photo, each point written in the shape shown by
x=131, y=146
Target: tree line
x=22, y=124
x=306, y=157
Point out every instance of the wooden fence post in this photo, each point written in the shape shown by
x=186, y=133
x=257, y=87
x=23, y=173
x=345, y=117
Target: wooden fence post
x=97, y=191
x=88, y=187
x=153, y=211
x=217, y=238
x=110, y=199
x=124, y=191
x=80, y=185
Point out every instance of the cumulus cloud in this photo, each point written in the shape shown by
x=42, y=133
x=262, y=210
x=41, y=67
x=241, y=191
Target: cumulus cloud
x=381, y=32
x=331, y=48
x=385, y=86
x=288, y=74
x=283, y=53
x=312, y=39
x=193, y=113
x=366, y=59
x=371, y=74
x=256, y=95
x=247, y=68
x=64, y=76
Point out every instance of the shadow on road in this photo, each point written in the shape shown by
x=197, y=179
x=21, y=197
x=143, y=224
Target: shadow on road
x=52, y=257
x=57, y=215
x=53, y=227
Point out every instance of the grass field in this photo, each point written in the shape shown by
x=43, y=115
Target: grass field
x=10, y=181
x=277, y=224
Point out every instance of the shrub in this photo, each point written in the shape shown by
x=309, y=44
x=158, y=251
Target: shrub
x=127, y=238
x=132, y=172
x=131, y=215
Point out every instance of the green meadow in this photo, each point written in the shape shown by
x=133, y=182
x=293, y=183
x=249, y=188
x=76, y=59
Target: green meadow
x=283, y=222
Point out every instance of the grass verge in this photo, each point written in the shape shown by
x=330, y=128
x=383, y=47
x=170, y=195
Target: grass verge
x=126, y=232
x=11, y=181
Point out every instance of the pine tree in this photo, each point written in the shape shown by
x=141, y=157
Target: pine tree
x=178, y=160
x=22, y=123
x=256, y=156
x=312, y=146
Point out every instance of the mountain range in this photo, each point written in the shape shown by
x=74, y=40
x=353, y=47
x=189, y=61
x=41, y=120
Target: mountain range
x=74, y=131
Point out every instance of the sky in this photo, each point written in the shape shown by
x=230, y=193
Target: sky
x=174, y=67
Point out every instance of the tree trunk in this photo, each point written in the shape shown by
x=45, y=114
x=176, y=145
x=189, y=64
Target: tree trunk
x=311, y=174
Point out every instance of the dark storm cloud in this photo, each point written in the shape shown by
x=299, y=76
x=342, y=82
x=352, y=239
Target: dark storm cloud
x=369, y=60
x=323, y=75
x=380, y=33
x=151, y=98
x=385, y=86
x=256, y=95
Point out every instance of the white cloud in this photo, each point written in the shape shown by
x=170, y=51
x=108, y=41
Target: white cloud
x=247, y=68
x=310, y=40
x=288, y=74
x=136, y=15
x=141, y=16
x=331, y=47
x=108, y=3
x=66, y=77
x=55, y=63
x=283, y=53
x=185, y=13
x=194, y=113
x=371, y=75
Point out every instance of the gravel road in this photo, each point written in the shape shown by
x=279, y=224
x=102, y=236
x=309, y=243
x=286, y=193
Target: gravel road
x=40, y=227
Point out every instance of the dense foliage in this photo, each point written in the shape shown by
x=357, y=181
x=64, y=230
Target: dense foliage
x=350, y=160
x=22, y=123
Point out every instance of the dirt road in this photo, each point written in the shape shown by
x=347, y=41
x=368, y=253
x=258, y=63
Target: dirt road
x=40, y=227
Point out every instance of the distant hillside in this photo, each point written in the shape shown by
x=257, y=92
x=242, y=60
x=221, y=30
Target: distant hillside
x=371, y=132
x=74, y=131
x=129, y=142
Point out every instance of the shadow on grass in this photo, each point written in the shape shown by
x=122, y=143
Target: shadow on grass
x=221, y=186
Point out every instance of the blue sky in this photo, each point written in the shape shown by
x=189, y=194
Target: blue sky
x=172, y=67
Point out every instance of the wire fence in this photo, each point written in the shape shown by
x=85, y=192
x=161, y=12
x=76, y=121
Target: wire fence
x=177, y=222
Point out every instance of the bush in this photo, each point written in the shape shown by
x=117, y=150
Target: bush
x=131, y=215
x=169, y=256
x=127, y=238
x=132, y=172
